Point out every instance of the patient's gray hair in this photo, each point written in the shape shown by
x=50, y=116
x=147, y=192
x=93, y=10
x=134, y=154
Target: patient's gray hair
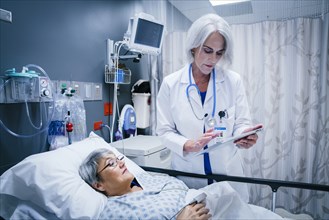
x=88, y=168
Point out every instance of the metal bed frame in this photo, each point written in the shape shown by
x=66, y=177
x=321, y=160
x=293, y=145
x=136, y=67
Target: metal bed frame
x=274, y=184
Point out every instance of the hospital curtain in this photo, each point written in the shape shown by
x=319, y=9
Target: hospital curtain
x=285, y=70
x=159, y=10
x=174, y=52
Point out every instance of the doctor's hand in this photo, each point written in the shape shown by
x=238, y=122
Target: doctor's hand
x=250, y=140
x=194, y=211
x=201, y=142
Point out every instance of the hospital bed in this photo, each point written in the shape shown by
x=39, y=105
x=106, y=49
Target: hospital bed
x=48, y=185
x=273, y=184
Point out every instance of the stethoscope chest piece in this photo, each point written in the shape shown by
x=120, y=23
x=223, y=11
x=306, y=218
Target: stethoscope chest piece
x=211, y=122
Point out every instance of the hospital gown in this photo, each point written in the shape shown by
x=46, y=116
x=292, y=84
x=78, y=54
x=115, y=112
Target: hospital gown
x=162, y=197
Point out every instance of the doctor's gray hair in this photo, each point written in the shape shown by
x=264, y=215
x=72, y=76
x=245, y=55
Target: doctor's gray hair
x=200, y=31
x=88, y=168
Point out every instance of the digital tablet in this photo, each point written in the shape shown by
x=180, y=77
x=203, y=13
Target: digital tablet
x=225, y=141
x=238, y=137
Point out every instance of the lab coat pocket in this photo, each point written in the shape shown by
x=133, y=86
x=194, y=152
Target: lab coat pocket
x=230, y=120
x=184, y=163
x=234, y=167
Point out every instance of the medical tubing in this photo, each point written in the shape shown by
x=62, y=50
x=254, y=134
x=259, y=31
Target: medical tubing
x=106, y=126
x=115, y=87
x=117, y=49
x=162, y=190
x=29, y=117
x=179, y=211
x=197, y=88
x=22, y=135
x=214, y=89
x=48, y=122
x=3, y=86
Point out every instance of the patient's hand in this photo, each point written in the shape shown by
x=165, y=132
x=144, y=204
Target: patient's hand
x=195, y=211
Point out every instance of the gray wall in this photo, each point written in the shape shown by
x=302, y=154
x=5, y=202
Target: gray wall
x=66, y=39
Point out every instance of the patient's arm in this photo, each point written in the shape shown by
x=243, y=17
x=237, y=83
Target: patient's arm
x=194, y=211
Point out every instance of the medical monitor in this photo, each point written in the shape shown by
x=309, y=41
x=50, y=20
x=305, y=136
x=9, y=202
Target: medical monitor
x=144, y=34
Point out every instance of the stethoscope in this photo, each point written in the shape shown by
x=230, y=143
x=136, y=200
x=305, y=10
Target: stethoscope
x=211, y=122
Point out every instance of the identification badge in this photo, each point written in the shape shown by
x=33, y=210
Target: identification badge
x=221, y=130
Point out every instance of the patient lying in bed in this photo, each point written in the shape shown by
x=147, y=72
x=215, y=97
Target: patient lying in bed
x=143, y=197
x=48, y=186
x=147, y=196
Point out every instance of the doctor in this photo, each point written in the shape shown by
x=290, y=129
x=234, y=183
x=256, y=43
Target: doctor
x=202, y=102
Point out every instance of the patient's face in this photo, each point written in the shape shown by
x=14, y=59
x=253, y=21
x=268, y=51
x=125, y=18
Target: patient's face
x=115, y=179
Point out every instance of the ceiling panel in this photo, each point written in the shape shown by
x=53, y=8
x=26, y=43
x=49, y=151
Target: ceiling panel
x=253, y=11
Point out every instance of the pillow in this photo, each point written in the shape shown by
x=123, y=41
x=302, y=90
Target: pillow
x=51, y=180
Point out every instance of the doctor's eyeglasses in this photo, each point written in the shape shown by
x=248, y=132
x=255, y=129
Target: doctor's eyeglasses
x=112, y=163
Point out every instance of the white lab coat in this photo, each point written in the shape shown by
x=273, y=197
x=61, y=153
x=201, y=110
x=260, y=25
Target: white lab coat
x=176, y=123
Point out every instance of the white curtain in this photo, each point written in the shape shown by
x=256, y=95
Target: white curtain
x=158, y=9
x=173, y=52
x=285, y=69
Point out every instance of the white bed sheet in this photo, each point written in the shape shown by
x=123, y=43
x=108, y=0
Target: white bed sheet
x=14, y=208
x=225, y=204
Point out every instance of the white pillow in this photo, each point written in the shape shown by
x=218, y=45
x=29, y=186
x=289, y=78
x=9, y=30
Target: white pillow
x=51, y=180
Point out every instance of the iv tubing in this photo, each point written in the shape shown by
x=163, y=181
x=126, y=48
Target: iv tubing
x=115, y=88
x=117, y=49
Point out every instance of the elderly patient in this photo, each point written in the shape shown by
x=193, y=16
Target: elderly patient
x=142, y=197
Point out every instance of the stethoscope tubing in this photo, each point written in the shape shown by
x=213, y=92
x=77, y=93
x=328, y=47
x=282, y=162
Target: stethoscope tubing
x=198, y=90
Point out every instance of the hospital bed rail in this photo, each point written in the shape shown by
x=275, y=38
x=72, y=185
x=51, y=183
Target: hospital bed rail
x=274, y=184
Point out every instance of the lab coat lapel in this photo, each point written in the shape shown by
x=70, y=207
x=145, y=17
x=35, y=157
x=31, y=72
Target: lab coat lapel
x=209, y=101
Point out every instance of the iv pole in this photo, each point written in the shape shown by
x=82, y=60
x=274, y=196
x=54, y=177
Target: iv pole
x=113, y=55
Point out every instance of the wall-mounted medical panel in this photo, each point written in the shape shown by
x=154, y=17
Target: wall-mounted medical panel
x=41, y=89
x=25, y=89
x=88, y=91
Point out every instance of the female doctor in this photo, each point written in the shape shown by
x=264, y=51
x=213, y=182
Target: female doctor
x=202, y=102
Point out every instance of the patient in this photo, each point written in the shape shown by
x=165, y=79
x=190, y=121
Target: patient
x=142, y=197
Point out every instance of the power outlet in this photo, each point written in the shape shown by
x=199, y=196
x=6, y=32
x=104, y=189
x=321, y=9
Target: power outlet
x=97, y=125
x=88, y=91
x=108, y=109
x=98, y=91
x=78, y=87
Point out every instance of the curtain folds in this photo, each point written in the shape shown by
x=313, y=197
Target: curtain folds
x=173, y=52
x=284, y=65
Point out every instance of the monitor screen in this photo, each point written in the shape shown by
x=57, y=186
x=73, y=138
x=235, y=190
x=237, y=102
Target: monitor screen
x=148, y=33
x=145, y=34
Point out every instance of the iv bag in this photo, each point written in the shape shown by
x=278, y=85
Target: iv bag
x=57, y=134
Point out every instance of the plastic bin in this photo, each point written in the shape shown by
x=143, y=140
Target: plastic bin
x=142, y=106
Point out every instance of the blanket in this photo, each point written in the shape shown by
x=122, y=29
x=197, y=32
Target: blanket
x=163, y=197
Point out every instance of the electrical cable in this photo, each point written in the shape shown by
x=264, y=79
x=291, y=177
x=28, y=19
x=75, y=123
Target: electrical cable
x=179, y=211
